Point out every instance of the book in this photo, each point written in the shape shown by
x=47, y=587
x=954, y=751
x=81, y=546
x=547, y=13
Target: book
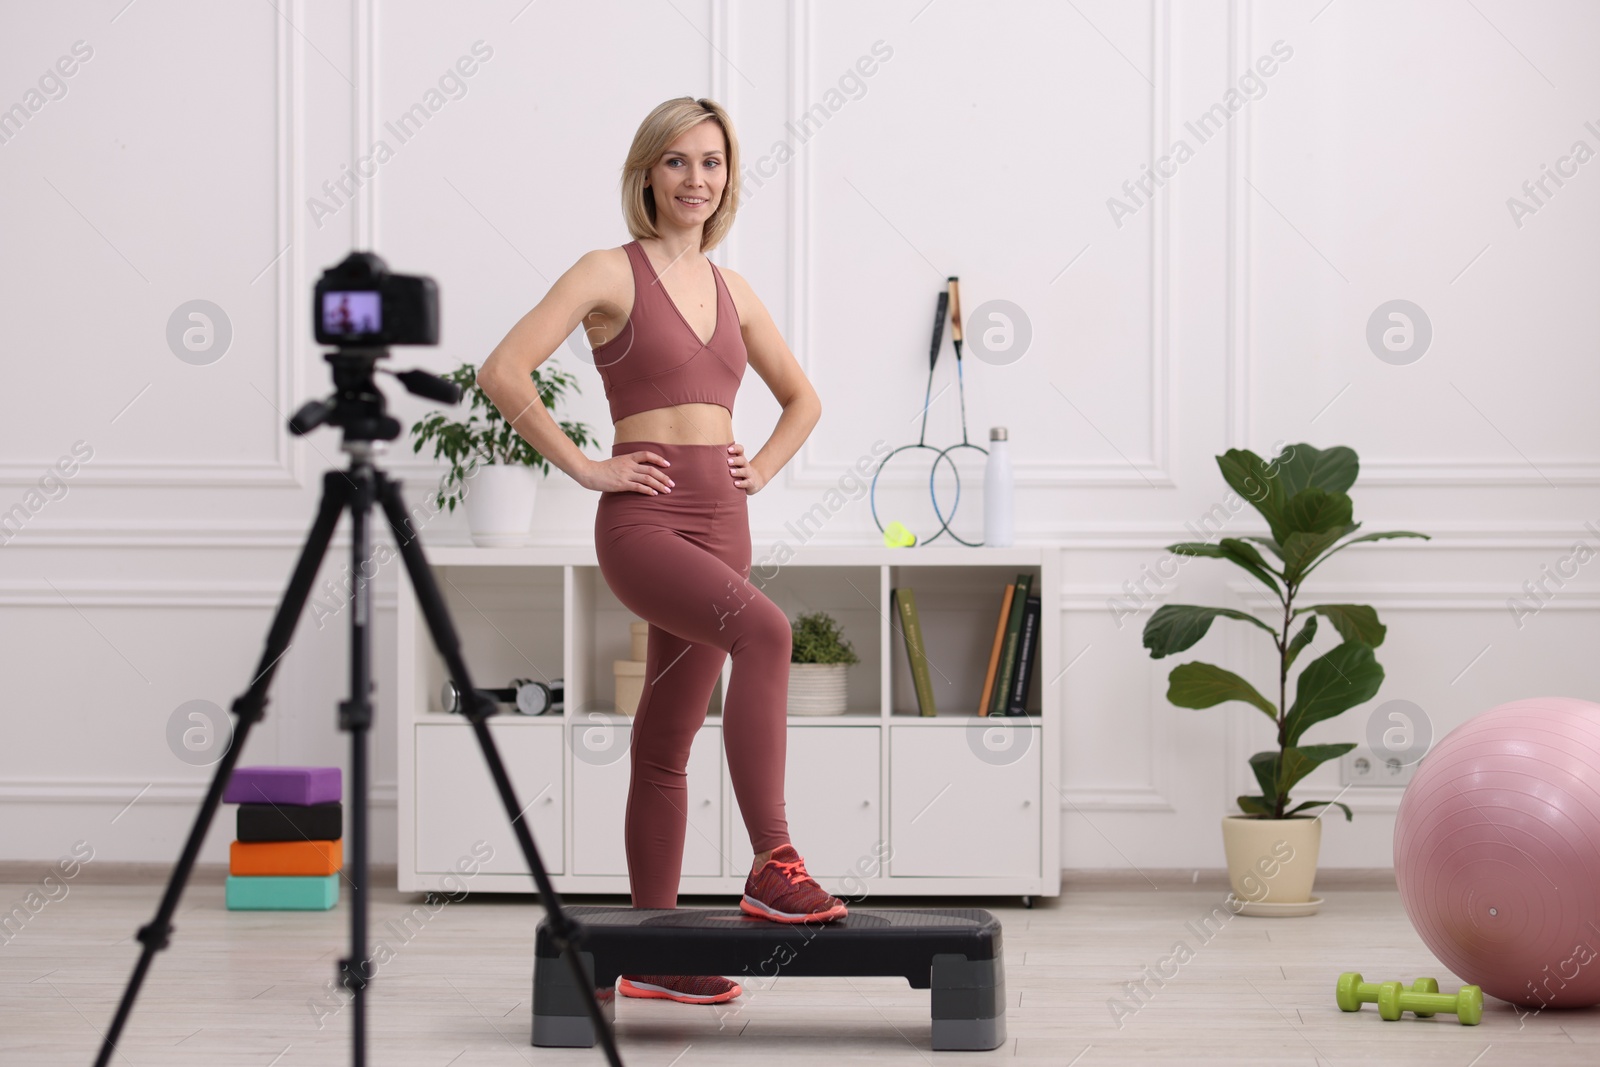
x=1027, y=646
x=911, y=628
x=994, y=650
x=1008, y=654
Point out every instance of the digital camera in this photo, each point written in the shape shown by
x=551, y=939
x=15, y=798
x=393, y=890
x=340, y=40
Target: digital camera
x=359, y=304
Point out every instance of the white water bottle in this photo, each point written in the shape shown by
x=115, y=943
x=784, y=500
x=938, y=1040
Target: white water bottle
x=997, y=495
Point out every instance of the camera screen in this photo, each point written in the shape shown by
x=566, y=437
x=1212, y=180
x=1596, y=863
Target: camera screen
x=352, y=314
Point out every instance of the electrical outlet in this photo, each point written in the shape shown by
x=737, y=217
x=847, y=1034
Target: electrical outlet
x=1361, y=767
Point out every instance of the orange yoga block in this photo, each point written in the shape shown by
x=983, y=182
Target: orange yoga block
x=285, y=857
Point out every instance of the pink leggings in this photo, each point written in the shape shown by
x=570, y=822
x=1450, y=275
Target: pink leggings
x=681, y=562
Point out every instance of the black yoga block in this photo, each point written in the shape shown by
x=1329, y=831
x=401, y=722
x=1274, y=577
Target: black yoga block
x=291, y=822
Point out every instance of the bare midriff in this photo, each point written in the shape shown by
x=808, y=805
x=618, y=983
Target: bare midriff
x=678, y=424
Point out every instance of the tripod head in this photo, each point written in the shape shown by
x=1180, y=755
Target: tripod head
x=357, y=406
x=362, y=308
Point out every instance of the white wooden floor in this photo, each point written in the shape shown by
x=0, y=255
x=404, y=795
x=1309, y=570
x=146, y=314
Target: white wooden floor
x=237, y=988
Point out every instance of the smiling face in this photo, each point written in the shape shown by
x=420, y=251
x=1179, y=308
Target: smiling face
x=688, y=180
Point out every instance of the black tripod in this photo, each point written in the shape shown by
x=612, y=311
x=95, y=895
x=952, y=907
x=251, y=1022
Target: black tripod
x=358, y=408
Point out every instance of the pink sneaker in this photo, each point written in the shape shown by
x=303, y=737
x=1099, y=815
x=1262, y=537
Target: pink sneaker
x=784, y=892
x=684, y=988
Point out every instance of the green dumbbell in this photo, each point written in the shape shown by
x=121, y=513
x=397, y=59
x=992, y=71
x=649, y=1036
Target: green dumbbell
x=1352, y=992
x=1466, y=1005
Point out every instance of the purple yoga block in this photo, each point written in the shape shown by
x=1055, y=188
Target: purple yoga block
x=283, y=785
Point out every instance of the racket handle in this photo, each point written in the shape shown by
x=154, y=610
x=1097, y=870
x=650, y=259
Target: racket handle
x=938, y=332
x=955, y=309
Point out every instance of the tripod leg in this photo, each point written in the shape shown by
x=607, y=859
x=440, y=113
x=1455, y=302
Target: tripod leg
x=248, y=708
x=477, y=709
x=355, y=716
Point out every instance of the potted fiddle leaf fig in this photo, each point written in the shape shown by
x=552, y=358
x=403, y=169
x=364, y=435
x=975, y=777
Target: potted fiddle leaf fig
x=820, y=658
x=1303, y=494
x=494, y=471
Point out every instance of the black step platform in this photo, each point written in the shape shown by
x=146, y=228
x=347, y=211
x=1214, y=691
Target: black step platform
x=956, y=953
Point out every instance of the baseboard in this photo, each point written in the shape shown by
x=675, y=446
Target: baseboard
x=1214, y=878
x=26, y=873
x=384, y=875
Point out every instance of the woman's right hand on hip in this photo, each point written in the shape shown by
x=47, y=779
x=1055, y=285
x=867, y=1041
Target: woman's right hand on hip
x=631, y=472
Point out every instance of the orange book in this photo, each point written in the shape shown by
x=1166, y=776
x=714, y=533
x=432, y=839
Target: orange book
x=285, y=857
x=994, y=653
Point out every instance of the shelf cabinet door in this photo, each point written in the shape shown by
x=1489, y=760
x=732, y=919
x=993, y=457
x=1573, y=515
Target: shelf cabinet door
x=457, y=804
x=954, y=813
x=600, y=801
x=831, y=790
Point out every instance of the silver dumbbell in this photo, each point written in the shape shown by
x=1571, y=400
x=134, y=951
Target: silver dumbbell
x=527, y=696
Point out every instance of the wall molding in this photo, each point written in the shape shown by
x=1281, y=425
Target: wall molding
x=807, y=470
x=1422, y=596
x=364, y=60
x=164, y=594
x=1154, y=794
x=1388, y=596
x=287, y=464
x=1098, y=537
x=1236, y=364
x=1452, y=472
x=169, y=792
x=1409, y=472
x=1155, y=536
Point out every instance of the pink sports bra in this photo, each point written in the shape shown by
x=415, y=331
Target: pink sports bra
x=658, y=360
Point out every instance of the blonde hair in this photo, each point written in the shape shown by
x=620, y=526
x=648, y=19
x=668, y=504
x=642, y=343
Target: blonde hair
x=670, y=120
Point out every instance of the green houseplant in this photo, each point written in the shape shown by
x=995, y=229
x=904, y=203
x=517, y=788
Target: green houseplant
x=1303, y=494
x=818, y=665
x=500, y=464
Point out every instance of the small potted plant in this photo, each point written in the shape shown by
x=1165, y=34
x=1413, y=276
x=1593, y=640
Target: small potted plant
x=492, y=467
x=817, y=666
x=1302, y=493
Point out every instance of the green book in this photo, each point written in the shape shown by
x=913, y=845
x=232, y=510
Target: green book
x=1008, y=651
x=916, y=654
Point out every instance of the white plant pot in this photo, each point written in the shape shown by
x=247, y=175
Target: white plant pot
x=817, y=688
x=1271, y=861
x=499, y=502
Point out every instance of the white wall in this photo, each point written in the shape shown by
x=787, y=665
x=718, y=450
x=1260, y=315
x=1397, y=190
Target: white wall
x=1229, y=312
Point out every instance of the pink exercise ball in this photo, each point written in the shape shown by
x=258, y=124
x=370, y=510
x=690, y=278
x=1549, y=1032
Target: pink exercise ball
x=1497, y=852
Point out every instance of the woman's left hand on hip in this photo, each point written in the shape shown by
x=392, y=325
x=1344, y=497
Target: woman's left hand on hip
x=744, y=475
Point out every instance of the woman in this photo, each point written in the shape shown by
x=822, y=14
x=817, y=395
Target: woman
x=672, y=335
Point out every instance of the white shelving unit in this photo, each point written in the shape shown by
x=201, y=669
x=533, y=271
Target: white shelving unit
x=959, y=804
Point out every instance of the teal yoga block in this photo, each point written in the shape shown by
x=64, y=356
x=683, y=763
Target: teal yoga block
x=282, y=892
